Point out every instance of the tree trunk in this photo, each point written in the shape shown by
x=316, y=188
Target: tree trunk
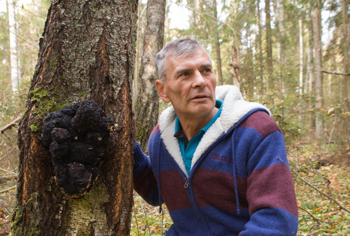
x=235, y=67
x=316, y=19
x=301, y=61
x=138, y=49
x=346, y=83
x=279, y=9
x=309, y=67
x=269, y=45
x=13, y=46
x=147, y=98
x=217, y=44
x=261, y=61
x=87, y=52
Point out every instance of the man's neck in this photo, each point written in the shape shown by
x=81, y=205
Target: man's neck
x=192, y=125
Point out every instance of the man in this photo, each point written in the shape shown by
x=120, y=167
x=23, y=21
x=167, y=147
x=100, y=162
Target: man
x=219, y=162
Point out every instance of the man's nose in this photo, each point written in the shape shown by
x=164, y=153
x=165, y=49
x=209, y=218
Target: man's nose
x=199, y=80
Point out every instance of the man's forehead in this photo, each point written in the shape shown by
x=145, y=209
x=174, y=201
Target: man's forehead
x=198, y=54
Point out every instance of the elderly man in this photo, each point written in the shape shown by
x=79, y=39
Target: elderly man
x=217, y=162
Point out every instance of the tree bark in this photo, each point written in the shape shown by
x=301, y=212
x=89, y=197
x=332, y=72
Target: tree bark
x=87, y=52
x=147, y=103
x=13, y=46
x=316, y=19
x=309, y=67
x=217, y=44
x=346, y=83
x=281, y=55
x=138, y=49
x=261, y=61
x=301, y=61
x=269, y=63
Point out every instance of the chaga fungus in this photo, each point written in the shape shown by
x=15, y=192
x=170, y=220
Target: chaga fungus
x=76, y=137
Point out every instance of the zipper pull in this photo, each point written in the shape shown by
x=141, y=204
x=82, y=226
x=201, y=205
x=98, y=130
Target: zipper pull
x=186, y=183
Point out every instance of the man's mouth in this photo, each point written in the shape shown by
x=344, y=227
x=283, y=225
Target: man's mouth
x=200, y=96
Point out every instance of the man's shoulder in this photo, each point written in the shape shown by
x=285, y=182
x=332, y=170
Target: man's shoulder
x=155, y=130
x=262, y=122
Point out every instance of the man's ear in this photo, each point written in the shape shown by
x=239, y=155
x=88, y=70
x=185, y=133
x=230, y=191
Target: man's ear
x=161, y=91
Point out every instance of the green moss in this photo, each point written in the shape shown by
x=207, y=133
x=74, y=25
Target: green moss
x=38, y=94
x=45, y=103
x=53, y=63
x=33, y=128
x=17, y=218
x=35, y=233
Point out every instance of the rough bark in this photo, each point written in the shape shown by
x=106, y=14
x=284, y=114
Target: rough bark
x=147, y=103
x=316, y=19
x=13, y=46
x=86, y=52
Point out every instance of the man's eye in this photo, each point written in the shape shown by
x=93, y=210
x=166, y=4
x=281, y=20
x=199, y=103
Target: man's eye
x=207, y=70
x=184, y=74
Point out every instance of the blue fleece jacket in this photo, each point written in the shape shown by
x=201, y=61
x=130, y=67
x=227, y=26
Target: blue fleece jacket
x=239, y=184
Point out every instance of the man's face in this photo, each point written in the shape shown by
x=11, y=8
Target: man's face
x=190, y=85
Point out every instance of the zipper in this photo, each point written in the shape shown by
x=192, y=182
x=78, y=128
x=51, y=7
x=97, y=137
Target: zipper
x=186, y=183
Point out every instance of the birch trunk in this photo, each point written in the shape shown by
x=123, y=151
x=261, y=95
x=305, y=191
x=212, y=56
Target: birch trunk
x=87, y=52
x=309, y=67
x=13, y=46
x=316, y=19
x=147, y=103
x=138, y=50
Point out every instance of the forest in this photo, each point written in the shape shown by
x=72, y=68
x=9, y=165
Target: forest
x=293, y=56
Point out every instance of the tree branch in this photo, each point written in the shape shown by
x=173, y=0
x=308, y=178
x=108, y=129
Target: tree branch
x=12, y=123
x=322, y=193
x=335, y=73
x=312, y=216
x=8, y=189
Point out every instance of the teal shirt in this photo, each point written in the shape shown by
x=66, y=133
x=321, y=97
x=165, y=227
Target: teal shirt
x=188, y=150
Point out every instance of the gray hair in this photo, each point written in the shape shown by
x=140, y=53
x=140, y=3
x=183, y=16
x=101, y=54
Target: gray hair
x=182, y=47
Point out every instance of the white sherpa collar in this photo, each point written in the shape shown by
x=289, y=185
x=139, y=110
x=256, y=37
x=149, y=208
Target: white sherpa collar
x=234, y=108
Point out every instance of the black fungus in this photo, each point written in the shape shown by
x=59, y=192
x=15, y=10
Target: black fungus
x=76, y=137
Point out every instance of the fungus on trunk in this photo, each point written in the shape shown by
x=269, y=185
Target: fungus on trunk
x=76, y=137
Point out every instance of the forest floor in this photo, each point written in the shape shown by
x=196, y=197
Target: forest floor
x=322, y=188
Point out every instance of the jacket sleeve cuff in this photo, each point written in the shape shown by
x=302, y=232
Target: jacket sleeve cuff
x=141, y=161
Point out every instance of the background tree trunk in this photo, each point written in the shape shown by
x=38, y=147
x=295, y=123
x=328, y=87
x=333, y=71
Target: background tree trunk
x=147, y=103
x=87, y=52
x=217, y=44
x=316, y=19
x=269, y=45
x=13, y=45
x=259, y=39
x=301, y=60
x=346, y=83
